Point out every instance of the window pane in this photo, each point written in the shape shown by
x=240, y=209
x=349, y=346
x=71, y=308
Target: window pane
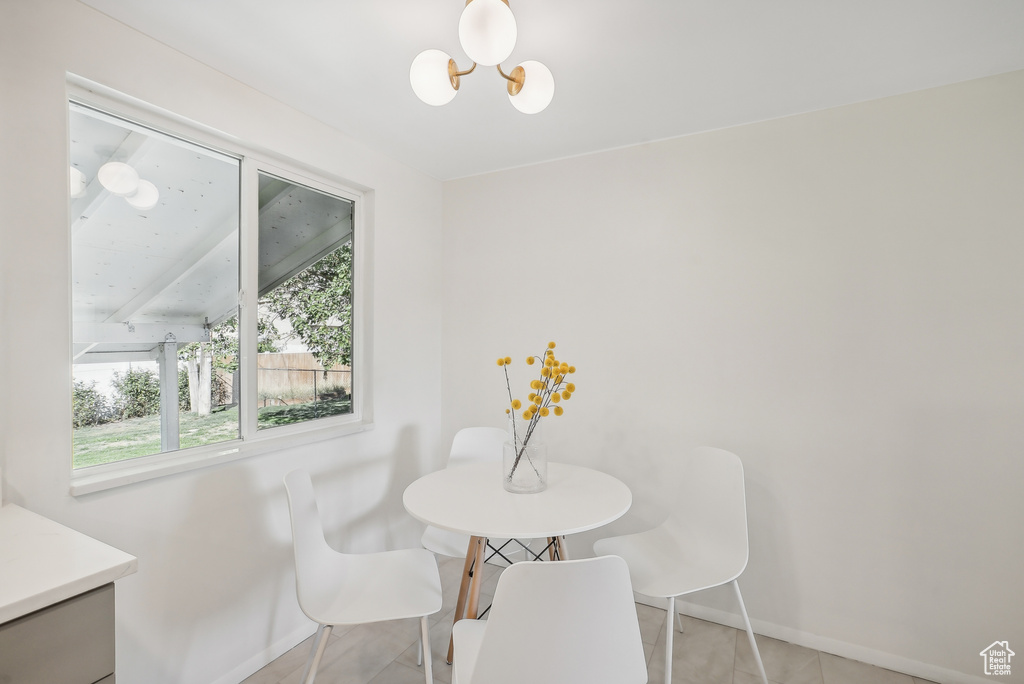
x=305, y=304
x=154, y=260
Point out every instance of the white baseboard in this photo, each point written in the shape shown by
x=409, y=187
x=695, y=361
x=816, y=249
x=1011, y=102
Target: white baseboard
x=266, y=656
x=889, y=661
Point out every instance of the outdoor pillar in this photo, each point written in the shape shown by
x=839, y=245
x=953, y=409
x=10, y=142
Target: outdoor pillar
x=168, y=360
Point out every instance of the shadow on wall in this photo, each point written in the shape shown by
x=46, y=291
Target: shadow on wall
x=771, y=572
x=361, y=501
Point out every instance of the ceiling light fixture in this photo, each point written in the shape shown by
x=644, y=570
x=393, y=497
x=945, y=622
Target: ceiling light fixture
x=487, y=32
x=77, y=182
x=119, y=178
x=145, y=197
x=122, y=180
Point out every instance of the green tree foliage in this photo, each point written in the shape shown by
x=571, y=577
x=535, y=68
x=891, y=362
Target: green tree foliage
x=317, y=303
x=183, y=399
x=136, y=393
x=88, y=406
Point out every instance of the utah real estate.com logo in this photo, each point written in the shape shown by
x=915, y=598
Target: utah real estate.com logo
x=997, y=658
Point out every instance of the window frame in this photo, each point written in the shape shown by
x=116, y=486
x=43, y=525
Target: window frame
x=253, y=160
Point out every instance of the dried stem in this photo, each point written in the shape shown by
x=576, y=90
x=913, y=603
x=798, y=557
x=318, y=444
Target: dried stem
x=545, y=393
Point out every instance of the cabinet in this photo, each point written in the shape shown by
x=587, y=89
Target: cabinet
x=56, y=602
x=71, y=642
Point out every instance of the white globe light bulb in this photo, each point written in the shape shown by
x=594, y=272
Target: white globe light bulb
x=145, y=197
x=118, y=178
x=429, y=78
x=487, y=31
x=537, y=91
x=77, y=179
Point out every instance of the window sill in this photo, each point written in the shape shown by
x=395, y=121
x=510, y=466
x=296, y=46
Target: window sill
x=111, y=475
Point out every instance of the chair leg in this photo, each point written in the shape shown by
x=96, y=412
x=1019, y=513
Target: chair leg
x=679, y=622
x=428, y=671
x=750, y=632
x=563, y=552
x=668, y=639
x=323, y=632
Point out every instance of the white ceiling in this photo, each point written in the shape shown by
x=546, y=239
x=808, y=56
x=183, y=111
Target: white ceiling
x=625, y=72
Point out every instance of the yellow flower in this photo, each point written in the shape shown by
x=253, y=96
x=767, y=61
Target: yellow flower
x=529, y=360
x=563, y=368
x=516, y=404
x=545, y=372
x=544, y=411
x=537, y=399
x=548, y=362
x=559, y=411
x=501, y=362
x=508, y=360
x=551, y=345
x=570, y=387
x=558, y=379
x=572, y=369
x=566, y=395
x=536, y=384
x=556, y=397
x=530, y=396
x=507, y=411
x=526, y=416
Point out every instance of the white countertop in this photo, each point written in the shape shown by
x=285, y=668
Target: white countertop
x=43, y=562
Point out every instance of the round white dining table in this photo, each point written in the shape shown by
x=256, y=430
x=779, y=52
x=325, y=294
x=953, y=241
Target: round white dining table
x=470, y=499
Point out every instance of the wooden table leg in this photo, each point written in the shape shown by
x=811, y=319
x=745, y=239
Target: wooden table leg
x=563, y=553
x=469, y=589
x=473, y=603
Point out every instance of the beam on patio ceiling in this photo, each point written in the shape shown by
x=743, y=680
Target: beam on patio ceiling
x=117, y=357
x=306, y=255
x=226, y=230
x=140, y=333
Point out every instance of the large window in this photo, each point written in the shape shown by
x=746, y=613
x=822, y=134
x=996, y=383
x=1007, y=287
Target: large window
x=181, y=341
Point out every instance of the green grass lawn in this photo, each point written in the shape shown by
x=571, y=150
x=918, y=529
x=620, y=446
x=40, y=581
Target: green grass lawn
x=271, y=416
x=136, y=437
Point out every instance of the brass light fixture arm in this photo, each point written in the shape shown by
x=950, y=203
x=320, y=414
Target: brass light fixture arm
x=454, y=73
x=515, y=79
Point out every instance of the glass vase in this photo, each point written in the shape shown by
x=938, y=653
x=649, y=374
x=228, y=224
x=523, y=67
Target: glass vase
x=525, y=468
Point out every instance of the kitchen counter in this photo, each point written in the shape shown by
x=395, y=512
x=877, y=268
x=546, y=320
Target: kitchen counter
x=43, y=562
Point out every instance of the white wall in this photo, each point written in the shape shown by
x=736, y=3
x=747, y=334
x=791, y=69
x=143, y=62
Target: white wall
x=838, y=298
x=214, y=594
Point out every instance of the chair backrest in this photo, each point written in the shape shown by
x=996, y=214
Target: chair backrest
x=316, y=563
x=709, y=509
x=477, y=444
x=570, y=621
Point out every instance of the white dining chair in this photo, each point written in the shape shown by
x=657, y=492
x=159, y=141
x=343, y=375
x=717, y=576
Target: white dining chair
x=702, y=544
x=472, y=445
x=555, y=623
x=336, y=588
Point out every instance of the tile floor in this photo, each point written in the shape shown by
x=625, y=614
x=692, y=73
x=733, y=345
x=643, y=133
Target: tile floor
x=706, y=653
